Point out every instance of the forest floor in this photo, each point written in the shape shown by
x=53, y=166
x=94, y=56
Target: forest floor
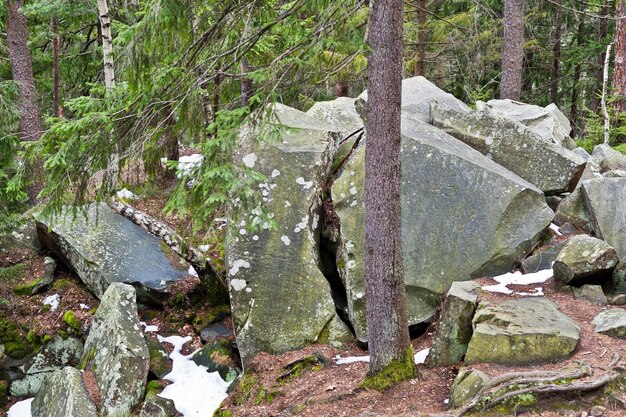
x=322, y=389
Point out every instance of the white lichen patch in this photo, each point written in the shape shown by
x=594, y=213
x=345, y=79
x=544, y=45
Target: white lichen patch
x=275, y=173
x=239, y=263
x=238, y=284
x=305, y=184
x=249, y=160
x=353, y=190
x=285, y=239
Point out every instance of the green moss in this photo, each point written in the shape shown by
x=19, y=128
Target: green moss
x=201, y=321
x=71, y=320
x=392, y=374
x=87, y=360
x=223, y=413
x=324, y=335
x=297, y=368
x=26, y=289
x=149, y=314
x=4, y=393
x=264, y=396
x=153, y=387
x=621, y=148
x=13, y=273
x=61, y=283
x=16, y=345
x=248, y=383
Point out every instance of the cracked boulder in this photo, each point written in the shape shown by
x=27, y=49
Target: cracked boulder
x=585, y=259
x=116, y=351
x=104, y=247
x=453, y=226
x=280, y=300
x=550, y=167
x=521, y=331
x=604, y=198
x=63, y=394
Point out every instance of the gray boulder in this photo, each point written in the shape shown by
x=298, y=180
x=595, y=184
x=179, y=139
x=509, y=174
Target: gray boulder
x=542, y=258
x=417, y=94
x=63, y=394
x=591, y=293
x=217, y=356
x=521, y=331
x=280, y=300
x=104, y=247
x=572, y=210
x=49, y=266
x=116, y=351
x=454, y=329
x=155, y=406
x=611, y=322
x=466, y=385
x=585, y=259
x=339, y=335
x=548, y=166
x=608, y=159
x=448, y=201
x=605, y=199
x=53, y=356
x=547, y=122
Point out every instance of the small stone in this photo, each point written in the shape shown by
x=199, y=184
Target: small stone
x=611, y=322
x=617, y=300
x=597, y=411
x=591, y=293
x=466, y=384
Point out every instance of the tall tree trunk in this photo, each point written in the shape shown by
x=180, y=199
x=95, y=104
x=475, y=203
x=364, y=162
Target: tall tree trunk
x=513, y=50
x=22, y=71
x=56, y=46
x=619, y=69
x=107, y=44
x=420, y=59
x=601, y=34
x=388, y=336
x=246, y=83
x=577, y=71
x=556, y=54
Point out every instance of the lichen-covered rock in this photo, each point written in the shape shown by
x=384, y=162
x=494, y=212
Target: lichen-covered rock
x=605, y=199
x=218, y=356
x=418, y=92
x=608, y=159
x=466, y=385
x=339, y=335
x=611, y=322
x=63, y=395
x=522, y=331
x=155, y=406
x=591, y=293
x=572, y=210
x=448, y=202
x=280, y=299
x=53, y=356
x=454, y=330
x=547, y=122
x=585, y=259
x=116, y=351
x=548, y=166
x=104, y=247
x=160, y=361
x=542, y=258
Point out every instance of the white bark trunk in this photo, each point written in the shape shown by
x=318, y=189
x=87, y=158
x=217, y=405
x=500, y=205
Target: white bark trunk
x=107, y=44
x=607, y=124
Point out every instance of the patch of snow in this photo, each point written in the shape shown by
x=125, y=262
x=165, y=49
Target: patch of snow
x=351, y=359
x=195, y=391
x=149, y=328
x=556, y=229
x=126, y=194
x=420, y=357
x=192, y=271
x=203, y=248
x=285, y=240
x=517, y=278
x=21, y=409
x=186, y=164
x=84, y=306
x=52, y=301
x=249, y=160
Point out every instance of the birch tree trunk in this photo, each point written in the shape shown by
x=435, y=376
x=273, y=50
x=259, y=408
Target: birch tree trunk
x=513, y=50
x=601, y=33
x=605, y=81
x=107, y=44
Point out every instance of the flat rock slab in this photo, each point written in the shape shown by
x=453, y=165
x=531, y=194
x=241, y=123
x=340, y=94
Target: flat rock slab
x=63, y=394
x=117, y=352
x=104, y=247
x=280, y=299
x=522, y=331
x=605, y=199
x=548, y=166
x=476, y=217
x=585, y=259
x=611, y=322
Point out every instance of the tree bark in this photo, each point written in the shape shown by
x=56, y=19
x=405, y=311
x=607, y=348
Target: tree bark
x=513, y=50
x=556, y=54
x=575, y=87
x=388, y=336
x=56, y=46
x=420, y=59
x=605, y=81
x=246, y=83
x=603, y=29
x=107, y=44
x=619, y=69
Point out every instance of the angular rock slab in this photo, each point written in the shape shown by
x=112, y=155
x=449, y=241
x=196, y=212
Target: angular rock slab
x=63, y=395
x=606, y=203
x=280, y=300
x=611, y=322
x=116, y=351
x=585, y=259
x=466, y=385
x=104, y=247
x=418, y=92
x=454, y=330
x=608, y=159
x=572, y=210
x=591, y=293
x=548, y=166
x=463, y=216
x=522, y=331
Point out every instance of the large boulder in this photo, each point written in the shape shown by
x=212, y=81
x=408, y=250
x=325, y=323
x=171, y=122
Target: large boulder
x=449, y=201
x=604, y=198
x=280, y=299
x=418, y=92
x=521, y=331
x=547, y=122
x=585, y=259
x=572, y=210
x=548, y=166
x=63, y=394
x=608, y=159
x=611, y=322
x=116, y=351
x=104, y=247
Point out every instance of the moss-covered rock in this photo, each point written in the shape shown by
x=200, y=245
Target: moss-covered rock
x=392, y=374
x=71, y=320
x=63, y=394
x=160, y=362
x=585, y=259
x=466, y=385
x=27, y=288
x=521, y=331
x=218, y=356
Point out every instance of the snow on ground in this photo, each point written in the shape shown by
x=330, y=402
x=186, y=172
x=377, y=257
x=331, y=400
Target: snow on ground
x=52, y=301
x=420, y=357
x=195, y=391
x=517, y=278
x=126, y=194
x=148, y=328
x=192, y=271
x=186, y=164
x=556, y=229
x=21, y=409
